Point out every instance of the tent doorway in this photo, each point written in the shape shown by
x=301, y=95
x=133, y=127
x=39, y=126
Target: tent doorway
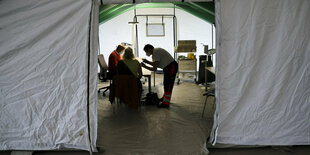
x=121, y=129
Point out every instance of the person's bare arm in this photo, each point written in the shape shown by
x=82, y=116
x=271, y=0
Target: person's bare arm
x=153, y=67
x=149, y=62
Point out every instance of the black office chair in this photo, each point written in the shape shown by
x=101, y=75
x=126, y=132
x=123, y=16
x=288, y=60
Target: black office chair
x=209, y=93
x=103, y=75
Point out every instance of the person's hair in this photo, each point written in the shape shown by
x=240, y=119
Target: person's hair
x=128, y=53
x=119, y=48
x=147, y=47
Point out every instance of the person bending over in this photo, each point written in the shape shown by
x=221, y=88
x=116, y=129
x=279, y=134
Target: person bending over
x=162, y=59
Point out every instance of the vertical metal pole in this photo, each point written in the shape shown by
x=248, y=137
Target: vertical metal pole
x=212, y=34
x=175, y=39
x=212, y=41
x=174, y=31
x=136, y=25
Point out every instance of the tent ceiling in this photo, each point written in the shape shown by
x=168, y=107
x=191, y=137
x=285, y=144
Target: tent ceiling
x=202, y=10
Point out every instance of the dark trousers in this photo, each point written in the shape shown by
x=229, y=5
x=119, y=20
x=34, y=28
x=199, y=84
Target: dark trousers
x=170, y=72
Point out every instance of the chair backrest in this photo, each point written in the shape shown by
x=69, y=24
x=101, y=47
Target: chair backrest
x=125, y=87
x=103, y=75
x=103, y=65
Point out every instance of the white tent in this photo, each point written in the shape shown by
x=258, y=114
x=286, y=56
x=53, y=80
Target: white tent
x=48, y=65
x=263, y=72
x=48, y=72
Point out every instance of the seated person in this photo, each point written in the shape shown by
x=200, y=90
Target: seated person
x=130, y=66
x=114, y=58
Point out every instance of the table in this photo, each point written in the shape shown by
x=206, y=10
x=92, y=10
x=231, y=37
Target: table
x=146, y=73
x=211, y=69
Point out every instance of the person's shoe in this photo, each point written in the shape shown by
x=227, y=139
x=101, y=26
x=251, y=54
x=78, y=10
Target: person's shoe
x=161, y=105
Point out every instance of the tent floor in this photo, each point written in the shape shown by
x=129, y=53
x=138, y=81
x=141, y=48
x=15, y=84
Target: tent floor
x=149, y=130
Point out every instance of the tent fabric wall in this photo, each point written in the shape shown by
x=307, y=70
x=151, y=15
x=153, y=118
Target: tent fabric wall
x=263, y=72
x=146, y=1
x=47, y=67
x=202, y=10
x=93, y=74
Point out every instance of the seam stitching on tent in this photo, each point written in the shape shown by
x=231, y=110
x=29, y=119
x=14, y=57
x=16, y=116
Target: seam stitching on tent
x=88, y=77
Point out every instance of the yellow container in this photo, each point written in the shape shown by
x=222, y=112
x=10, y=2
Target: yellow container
x=190, y=56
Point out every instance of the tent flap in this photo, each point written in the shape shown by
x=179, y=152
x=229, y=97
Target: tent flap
x=263, y=72
x=44, y=69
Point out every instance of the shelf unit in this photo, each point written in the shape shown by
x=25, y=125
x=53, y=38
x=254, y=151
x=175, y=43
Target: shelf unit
x=186, y=65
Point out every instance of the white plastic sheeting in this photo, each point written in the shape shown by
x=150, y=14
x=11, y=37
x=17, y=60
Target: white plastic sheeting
x=263, y=72
x=48, y=67
x=179, y=130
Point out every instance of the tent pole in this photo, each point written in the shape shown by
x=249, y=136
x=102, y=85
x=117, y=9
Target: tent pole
x=136, y=26
x=212, y=34
x=174, y=31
